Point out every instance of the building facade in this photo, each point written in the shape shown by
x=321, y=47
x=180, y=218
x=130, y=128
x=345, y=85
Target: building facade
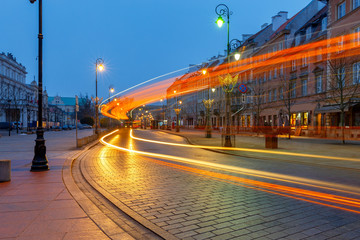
x=18, y=100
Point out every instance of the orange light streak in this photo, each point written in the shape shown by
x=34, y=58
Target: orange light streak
x=325, y=199
x=245, y=149
x=258, y=64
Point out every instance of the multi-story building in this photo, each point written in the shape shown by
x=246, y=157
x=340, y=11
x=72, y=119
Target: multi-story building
x=342, y=103
x=18, y=100
x=62, y=110
x=289, y=68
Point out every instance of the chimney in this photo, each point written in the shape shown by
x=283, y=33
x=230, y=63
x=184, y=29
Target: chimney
x=279, y=20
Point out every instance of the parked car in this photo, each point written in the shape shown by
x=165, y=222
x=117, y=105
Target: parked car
x=86, y=126
x=66, y=127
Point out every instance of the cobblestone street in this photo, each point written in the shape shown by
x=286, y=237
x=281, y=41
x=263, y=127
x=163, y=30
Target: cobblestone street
x=189, y=201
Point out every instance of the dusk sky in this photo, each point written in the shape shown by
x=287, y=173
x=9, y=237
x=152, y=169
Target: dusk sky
x=138, y=39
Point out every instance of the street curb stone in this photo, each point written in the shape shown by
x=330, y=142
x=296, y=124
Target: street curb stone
x=110, y=229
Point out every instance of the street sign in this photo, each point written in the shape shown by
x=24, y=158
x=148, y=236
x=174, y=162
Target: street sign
x=243, y=88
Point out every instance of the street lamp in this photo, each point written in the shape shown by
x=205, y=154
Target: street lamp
x=99, y=65
x=177, y=111
x=234, y=45
x=40, y=162
x=111, y=90
x=228, y=82
x=207, y=103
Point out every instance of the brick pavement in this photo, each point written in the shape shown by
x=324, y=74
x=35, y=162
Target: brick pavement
x=191, y=205
x=36, y=205
x=314, y=146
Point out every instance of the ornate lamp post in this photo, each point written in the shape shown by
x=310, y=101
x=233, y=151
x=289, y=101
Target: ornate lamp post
x=228, y=82
x=40, y=162
x=99, y=64
x=235, y=44
x=207, y=103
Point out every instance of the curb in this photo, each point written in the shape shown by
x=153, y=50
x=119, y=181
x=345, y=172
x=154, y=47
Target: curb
x=104, y=223
x=143, y=221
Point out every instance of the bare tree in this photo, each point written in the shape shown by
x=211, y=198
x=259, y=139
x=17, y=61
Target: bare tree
x=341, y=87
x=257, y=106
x=287, y=94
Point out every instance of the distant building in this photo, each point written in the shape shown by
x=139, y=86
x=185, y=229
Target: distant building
x=62, y=110
x=18, y=100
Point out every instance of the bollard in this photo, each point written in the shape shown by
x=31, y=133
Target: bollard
x=5, y=170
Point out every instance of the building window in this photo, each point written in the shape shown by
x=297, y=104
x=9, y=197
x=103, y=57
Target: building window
x=340, y=44
x=340, y=78
x=304, y=86
x=270, y=97
x=275, y=72
x=270, y=75
x=308, y=33
x=293, y=89
x=324, y=24
x=281, y=70
x=293, y=65
x=297, y=40
x=357, y=36
x=356, y=73
x=341, y=10
x=318, y=80
x=274, y=95
x=319, y=54
x=305, y=61
x=356, y=4
x=264, y=77
x=281, y=46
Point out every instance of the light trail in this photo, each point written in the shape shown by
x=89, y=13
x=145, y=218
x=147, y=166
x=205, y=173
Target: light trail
x=325, y=199
x=245, y=149
x=257, y=64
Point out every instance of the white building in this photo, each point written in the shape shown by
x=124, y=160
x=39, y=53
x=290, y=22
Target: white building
x=18, y=100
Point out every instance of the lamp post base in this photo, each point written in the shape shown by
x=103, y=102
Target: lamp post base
x=40, y=162
x=227, y=141
x=208, y=134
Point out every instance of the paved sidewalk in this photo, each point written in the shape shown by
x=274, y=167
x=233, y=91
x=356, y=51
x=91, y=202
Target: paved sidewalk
x=346, y=155
x=37, y=205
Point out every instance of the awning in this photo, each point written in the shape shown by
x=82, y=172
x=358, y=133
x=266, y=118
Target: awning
x=334, y=108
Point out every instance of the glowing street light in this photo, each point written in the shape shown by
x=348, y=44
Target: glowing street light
x=99, y=65
x=220, y=21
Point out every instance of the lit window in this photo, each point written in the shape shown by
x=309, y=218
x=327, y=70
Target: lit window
x=356, y=73
x=341, y=10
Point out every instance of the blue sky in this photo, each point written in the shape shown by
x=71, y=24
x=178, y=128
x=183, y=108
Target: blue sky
x=138, y=39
